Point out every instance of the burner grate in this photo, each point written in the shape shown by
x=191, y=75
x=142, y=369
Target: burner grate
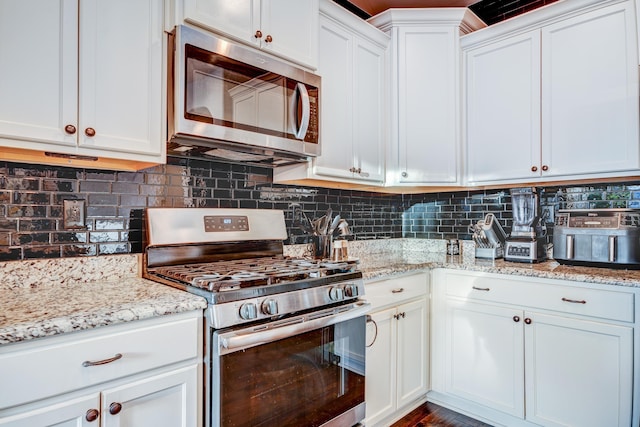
x=220, y=276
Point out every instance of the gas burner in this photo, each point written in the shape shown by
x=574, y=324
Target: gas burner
x=225, y=275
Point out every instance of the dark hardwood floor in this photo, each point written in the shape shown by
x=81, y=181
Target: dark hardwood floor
x=432, y=415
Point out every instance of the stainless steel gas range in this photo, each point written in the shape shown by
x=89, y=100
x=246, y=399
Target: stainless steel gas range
x=285, y=337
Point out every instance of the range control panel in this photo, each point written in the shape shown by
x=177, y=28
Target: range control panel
x=215, y=223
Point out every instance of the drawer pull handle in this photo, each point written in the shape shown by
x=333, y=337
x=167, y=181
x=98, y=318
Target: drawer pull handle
x=102, y=362
x=481, y=289
x=397, y=291
x=575, y=301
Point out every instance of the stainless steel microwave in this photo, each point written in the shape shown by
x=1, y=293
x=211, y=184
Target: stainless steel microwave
x=231, y=102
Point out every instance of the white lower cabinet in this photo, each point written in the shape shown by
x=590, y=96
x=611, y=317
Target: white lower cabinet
x=504, y=354
x=161, y=400
x=397, y=364
x=145, y=373
x=484, y=355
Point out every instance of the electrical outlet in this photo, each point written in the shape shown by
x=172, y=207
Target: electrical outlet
x=73, y=214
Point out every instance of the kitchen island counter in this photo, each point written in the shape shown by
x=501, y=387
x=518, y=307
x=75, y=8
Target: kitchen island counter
x=49, y=297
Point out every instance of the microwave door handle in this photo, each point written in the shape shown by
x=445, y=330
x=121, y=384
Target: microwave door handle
x=303, y=95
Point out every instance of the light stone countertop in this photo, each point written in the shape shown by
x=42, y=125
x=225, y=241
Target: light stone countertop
x=41, y=298
x=380, y=259
x=383, y=265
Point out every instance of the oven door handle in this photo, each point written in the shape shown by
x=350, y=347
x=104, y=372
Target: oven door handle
x=230, y=342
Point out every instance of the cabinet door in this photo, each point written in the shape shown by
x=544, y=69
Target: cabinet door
x=335, y=65
x=503, y=109
x=590, y=93
x=368, y=110
x=484, y=355
x=70, y=413
x=239, y=19
x=121, y=76
x=579, y=372
x=380, y=384
x=427, y=106
x=293, y=27
x=413, y=352
x=38, y=59
x=169, y=399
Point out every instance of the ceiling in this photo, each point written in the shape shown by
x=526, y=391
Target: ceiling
x=490, y=11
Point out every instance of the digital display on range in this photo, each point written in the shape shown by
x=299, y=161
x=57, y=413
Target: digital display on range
x=217, y=223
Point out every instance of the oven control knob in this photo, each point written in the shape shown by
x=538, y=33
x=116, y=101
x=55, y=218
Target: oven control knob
x=270, y=307
x=336, y=294
x=351, y=290
x=248, y=311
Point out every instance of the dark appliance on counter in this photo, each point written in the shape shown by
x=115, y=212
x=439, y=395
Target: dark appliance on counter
x=229, y=102
x=598, y=237
x=285, y=337
x=528, y=239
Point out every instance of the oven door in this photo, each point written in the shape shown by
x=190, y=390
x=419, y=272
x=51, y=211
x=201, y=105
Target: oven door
x=304, y=371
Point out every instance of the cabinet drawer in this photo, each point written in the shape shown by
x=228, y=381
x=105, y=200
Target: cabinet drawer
x=46, y=370
x=607, y=304
x=393, y=291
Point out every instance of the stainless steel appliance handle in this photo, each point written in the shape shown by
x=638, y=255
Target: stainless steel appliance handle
x=303, y=94
x=230, y=342
x=570, y=253
x=612, y=248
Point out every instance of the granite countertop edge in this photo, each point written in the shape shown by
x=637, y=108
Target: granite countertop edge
x=36, y=312
x=546, y=270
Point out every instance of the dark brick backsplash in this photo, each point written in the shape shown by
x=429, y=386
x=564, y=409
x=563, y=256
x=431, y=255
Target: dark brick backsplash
x=31, y=197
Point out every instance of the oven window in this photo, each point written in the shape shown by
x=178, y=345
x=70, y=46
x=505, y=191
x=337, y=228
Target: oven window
x=304, y=380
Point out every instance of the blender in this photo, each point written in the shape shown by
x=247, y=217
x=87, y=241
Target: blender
x=528, y=238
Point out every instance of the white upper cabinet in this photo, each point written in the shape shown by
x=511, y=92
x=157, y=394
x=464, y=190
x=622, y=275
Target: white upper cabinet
x=287, y=28
x=352, y=64
x=72, y=85
x=425, y=71
x=590, y=93
x=559, y=101
x=503, y=109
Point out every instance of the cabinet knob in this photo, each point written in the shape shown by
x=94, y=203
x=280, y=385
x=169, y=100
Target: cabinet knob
x=92, y=415
x=115, y=408
x=516, y=319
x=268, y=39
x=258, y=34
x=90, y=132
x=404, y=174
x=70, y=129
x=545, y=168
x=527, y=321
x=534, y=169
